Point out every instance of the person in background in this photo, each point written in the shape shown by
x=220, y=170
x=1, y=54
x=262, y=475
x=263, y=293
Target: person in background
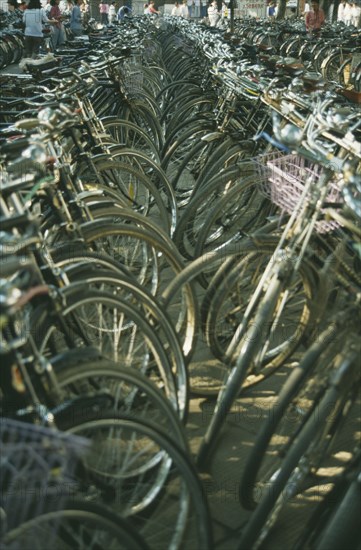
x=271, y=10
x=190, y=8
x=12, y=5
x=111, y=13
x=33, y=19
x=224, y=10
x=176, y=10
x=197, y=8
x=123, y=13
x=347, y=14
x=184, y=9
x=76, y=25
x=355, y=14
x=315, y=18
x=22, y=6
x=146, y=9
x=340, y=11
x=85, y=12
x=103, y=10
x=66, y=7
x=152, y=9
x=213, y=14
x=47, y=8
x=57, y=30
x=307, y=8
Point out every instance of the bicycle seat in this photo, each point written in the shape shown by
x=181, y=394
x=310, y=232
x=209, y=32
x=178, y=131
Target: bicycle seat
x=312, y=81
x=291, y=65
x=265, y=47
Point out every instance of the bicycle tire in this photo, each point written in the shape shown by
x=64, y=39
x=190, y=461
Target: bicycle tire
x=180, y=517
x=288, y=415
x=130, y=135
x=87, y=319
x=145, y=303
x=313, y=439
x=80, y=373
x=182, y=308
x=82, y=518
x=215, y=306
x=153, y=172
x=137, y=190
x=343, y=529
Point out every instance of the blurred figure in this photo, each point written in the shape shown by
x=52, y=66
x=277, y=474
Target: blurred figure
x=176, y=10
x=315, y=18
x=341, y=11
x=66, y=7
x=224, y=10
x=184, y=9
x=271, y=10
x=197, y=8
x=307, y=8
x=347, y=14
x=355, y=15
x=76, y=25
x=213, y=14
x=190, y=8
x=152, y=9
x=33, y=19
x=123, y=12
x=111, y=13
x=57, y=30
x=103, y=10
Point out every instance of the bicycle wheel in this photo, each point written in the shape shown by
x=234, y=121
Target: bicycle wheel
x=201, y=206
x=80, y=525
x=118, y=331
x=289, y=413
x=241, y=210
x=153, y=172
x=342, y=529
x=137, y=297
x=140, y=251
x=177, y=515
x=139, y=113
x=309, y=449
x=227, y=299
x=82, y=375
x=137, y=190
x=130, y=135
x=331, y=66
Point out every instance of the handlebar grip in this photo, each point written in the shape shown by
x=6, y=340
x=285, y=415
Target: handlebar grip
x=272, y=141
x=11, y=265
x=14, y=146
x=27, y=123
x=15, y=222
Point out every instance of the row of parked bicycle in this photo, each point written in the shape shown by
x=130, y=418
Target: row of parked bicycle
x=148, y=199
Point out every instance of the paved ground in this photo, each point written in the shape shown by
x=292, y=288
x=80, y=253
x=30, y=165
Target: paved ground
x=241, y=428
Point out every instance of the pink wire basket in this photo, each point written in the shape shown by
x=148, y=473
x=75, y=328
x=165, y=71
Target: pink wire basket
x=283, y=179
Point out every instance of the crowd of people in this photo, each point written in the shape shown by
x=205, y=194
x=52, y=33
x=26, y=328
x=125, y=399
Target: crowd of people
x=348, y=13
x=37, y=13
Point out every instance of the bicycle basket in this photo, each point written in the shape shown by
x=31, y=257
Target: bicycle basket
x=133, y=79
x=36, y=466
x=282, y=181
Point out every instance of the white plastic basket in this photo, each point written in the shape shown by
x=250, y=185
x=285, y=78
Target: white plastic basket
x=36, y=465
